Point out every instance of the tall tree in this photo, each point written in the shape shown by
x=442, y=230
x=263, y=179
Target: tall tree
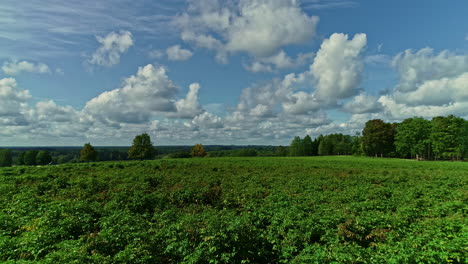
x=43, y=157
x=412, y=138
x=198, y=151
x=447, y=137
x=20, y=159
x=378, y=138
x=296, y=148
x=307, y=145
x=142, y=148
x=5, y=158
x=464, y=140
x=88, y=153
x=30, y=157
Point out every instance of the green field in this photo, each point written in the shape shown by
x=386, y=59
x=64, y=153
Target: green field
x=236, y=210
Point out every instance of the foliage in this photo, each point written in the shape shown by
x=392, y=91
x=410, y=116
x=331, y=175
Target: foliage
x=142, y=148
x=198, y=151
x=281, y=151
x=307, y=145
x=6, y=159
x=180, y=155
x=412, y=138
x=235, y=210
x=248, y=152
x=296, y=149
x=88, y=153
x=378, y=138
x=20, y=159
x=30, y=157
x=43, y=157
x=447, y=137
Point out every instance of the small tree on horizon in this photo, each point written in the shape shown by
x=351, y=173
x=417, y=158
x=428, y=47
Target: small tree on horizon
x=88, y=153
x=142, y=148
x=198, y=151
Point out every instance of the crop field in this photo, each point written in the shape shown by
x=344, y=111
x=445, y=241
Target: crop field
x=236, y=210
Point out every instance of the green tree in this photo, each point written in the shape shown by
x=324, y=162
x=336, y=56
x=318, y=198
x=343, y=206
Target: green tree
x=447, y=137
x=281, y=151
x=325, y=147
x=20, y=159
x=43, y=157
x=5, y=158
x=356, y=145
x=296, y=148
x=198, y=151
x=88, y=153
x=142, y=148
x=412, y=138
x=307, y=145
x=30, y=157
x=378, y=138
x=464, y=140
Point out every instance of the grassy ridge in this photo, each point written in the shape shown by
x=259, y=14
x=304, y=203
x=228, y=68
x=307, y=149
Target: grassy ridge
x=236, y=210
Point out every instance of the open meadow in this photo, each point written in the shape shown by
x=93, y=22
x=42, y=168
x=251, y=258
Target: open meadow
x=236, y=210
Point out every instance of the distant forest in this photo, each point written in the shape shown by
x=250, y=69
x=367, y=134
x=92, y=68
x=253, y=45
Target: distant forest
x=442, y=138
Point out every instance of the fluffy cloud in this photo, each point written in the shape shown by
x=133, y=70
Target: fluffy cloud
x=415, y=68
x=279, y=61
x=429, y=84
x=338, y=66
x=16, y=67
x=113, y=45
x=363, y=103
x=263, y=27
x=302, y=102
x=141, y=95
x=176, y=53
x=334, y=75
x=207, y=120
x=259, y=28
x=399, y=111
x=189, y=106
x=12, y=100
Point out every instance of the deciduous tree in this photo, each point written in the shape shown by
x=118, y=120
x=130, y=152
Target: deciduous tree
x=43, y=157
x=5, y=158
x=142, y=148
x=88, y=153
x=198, y=151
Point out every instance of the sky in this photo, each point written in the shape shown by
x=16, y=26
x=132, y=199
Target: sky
x=232, y=72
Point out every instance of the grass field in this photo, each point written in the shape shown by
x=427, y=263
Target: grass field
x=236, y=210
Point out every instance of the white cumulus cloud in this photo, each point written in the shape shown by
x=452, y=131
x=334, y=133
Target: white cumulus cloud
x=141, y=95
x=176, y=53
x=189, y=106
x=16, y=67
x=363, y=103
x=338, y=66
x=113, y=45
x=259, y=28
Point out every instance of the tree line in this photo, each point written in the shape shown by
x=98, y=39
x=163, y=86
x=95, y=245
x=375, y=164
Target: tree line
x=442, y=138
x=142, y=149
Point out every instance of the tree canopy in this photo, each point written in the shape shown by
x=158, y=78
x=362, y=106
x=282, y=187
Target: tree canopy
x=142, y=148
x=88, y=153
x=43, y=157
x=6, y=159
x=198, y=151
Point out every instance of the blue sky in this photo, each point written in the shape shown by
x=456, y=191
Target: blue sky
x=224, y=72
